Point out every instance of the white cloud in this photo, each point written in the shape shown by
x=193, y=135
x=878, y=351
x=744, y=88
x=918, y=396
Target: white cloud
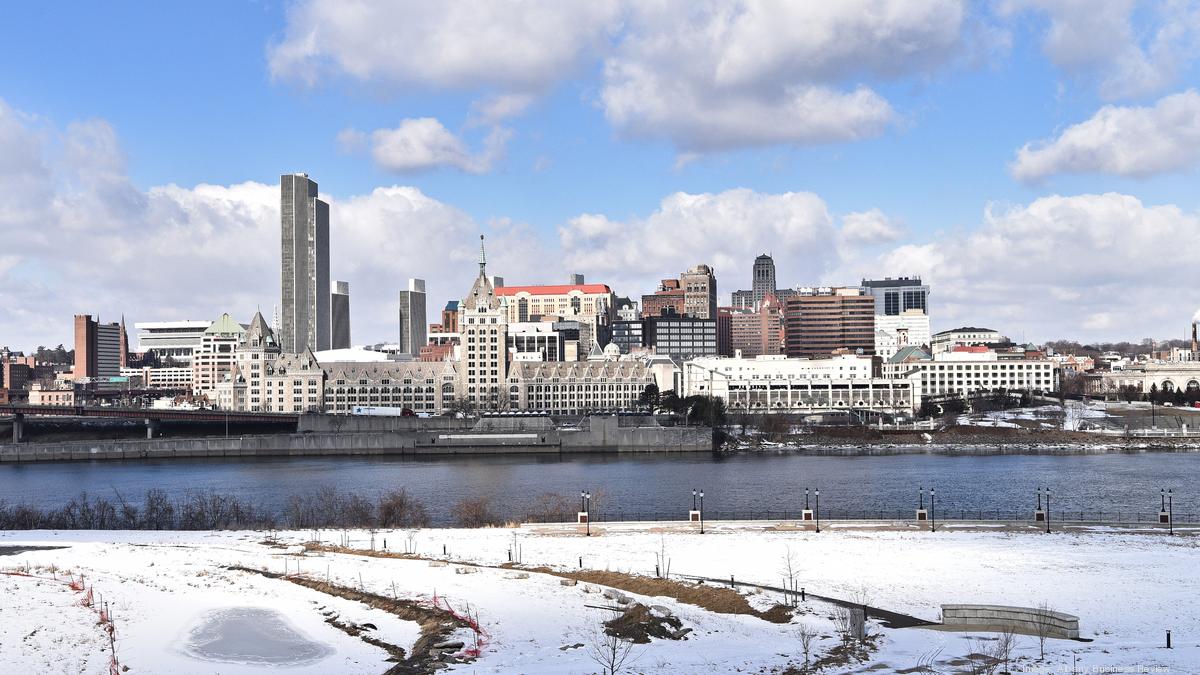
x=1130, y=49
x=707, y=76
x=495, y=109
x=715, y=75
x=724, y=230
x=454, y=44
x=91, y=242
x=1125, y=141
x=866, y=228
x=423, y=143
x=1019, y=269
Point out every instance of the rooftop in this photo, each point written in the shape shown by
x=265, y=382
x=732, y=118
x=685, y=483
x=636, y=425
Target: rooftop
x=557, y=289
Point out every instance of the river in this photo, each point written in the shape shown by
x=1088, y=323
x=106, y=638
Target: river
x=654, y=485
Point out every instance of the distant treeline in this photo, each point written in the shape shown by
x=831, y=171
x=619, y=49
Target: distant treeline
x=322, y=508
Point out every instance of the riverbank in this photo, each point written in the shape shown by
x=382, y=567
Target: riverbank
x=348, y=436
x=953, y=440
x=538, y=596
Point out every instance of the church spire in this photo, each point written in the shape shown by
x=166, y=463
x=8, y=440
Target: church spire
x=482, y=258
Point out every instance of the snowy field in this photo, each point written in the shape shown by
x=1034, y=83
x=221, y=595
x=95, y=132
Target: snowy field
x=199, y=602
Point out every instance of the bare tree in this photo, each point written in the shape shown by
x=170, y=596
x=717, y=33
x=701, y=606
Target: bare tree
x=807, y=636
x=475, y=513
x=1004, y=646
x=1043, y=624
x=790, y=573
x=610, y=651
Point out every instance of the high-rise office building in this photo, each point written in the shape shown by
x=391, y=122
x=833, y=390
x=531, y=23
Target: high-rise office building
x=99, y=348
x=339, y=308
x=821, y=321
x=896, y=296
x=699, y=292
x=304, y=225
x=762, y=284
x=762, y=281
x=412, y=318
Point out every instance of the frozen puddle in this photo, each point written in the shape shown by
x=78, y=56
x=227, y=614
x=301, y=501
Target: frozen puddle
x=251, y=635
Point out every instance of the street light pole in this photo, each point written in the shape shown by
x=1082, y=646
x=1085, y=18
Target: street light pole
x=1047, y=510
x=1170, y=513
x=818, y=512
x=588, y=510
x=702, y=512
x=693, y=499
x=932, y=511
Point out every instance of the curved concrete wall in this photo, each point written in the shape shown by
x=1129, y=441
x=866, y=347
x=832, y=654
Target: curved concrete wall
x=1000, y=617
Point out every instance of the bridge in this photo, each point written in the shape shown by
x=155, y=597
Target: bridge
x=151, y=416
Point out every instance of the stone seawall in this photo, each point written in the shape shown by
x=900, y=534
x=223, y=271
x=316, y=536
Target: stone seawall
x=596, y=434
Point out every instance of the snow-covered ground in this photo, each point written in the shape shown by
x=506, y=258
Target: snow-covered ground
x=171, y=591
x=1040, y=417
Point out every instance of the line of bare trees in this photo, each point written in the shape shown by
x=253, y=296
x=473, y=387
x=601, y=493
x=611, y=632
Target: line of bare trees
x=324, y=507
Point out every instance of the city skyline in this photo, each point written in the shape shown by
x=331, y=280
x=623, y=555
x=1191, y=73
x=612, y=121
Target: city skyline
x=977, y=163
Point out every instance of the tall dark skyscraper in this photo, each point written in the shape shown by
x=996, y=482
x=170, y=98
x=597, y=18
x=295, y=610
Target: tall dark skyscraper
x=305, y=322
x=340, y=311
x=763, y=280
x=412, y=318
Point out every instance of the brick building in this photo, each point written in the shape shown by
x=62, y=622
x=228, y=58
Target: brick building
x=818, y=322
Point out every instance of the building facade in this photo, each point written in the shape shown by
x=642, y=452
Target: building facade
x=822, y=321
x=305, y=321
x=413, y=334
x=483, y=321
x=759, y=331
x=699, y=292
x=667, y=300
x=896, y=331
x=591, y=304
x=177, y=340
x=974, y=370
x=681, y=337
x=339, y=311
x=100, y=348
x=216, y=356
x=776, y=383
x=967, y=336
x=896, y=296
x=579, y=387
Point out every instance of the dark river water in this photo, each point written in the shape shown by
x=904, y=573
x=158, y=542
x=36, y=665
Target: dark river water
x=656, y=486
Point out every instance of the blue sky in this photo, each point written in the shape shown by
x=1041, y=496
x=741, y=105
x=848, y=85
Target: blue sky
x=190, y=93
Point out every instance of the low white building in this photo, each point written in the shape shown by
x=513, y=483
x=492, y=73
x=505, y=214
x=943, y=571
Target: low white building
x=776, y=383
x=967, y=336
x=972, y=370
x=160, y=378
x=175, y=339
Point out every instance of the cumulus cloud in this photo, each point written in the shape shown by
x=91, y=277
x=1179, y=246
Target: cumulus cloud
x=454, y=44
x=423, y=143
x=707, y=76
x=865, y=228
x=92, y=242
x=1125, y=141
x=1058, y=266
x=715, y=75
x=1130, y=49
x=724, y=230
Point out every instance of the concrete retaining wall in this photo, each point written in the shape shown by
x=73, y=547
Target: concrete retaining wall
x=598, y=434
x=1000, y=617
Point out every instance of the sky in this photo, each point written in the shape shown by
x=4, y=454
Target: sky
x=1033, y=160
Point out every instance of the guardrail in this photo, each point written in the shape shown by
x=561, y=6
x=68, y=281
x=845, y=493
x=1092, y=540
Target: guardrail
x=898, y=515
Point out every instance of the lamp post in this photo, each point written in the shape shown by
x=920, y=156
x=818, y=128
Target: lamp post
x=694, y=493
x=702, y=512
x=932, y=511
x=1168, y=509
x=818, y=511
x=587, y=496
x=1047, y=510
